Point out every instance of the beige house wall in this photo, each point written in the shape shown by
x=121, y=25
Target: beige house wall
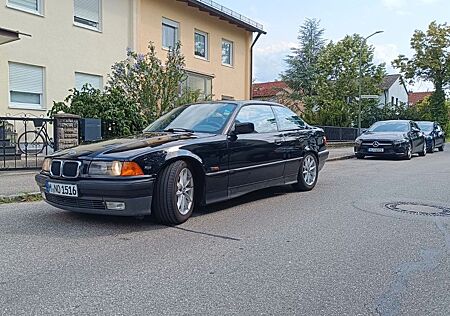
x=63, y=48
x=228, y=81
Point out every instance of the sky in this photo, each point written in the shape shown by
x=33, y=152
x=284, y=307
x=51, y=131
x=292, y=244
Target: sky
x=282, y=19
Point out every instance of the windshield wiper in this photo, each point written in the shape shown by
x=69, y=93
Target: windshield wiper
x=178, y=130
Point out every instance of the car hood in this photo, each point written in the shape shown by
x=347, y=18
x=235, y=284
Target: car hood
x=127, y=147
x=383, y=136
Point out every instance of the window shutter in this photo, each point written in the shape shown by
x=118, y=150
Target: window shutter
x=27, y=4
x=87, y=10
x=81, y=79
x=26, y=78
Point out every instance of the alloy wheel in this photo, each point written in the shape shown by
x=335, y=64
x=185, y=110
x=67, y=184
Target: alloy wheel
x=185, y=191
x=409, y=154
x=309, y=170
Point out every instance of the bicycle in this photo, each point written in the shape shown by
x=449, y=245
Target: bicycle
x=34, y=142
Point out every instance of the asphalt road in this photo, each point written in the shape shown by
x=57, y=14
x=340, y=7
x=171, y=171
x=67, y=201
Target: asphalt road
x=334, y=251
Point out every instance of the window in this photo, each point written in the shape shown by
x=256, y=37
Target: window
x=227, y=53
x=287, y=119
x=392, y=100
x=260, y=115
x=201, y=44
x=87, y=13
x=26, y=86
x=81, y=79
x=33, y=6
x=202, y=84
x=170, y=30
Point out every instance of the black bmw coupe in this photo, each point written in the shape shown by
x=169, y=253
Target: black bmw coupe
x=399, y=138
x=195, y=155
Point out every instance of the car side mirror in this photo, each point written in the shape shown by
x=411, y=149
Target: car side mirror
x=244, y=128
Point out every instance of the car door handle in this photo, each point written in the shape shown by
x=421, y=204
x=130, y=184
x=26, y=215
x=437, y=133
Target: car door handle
x=278, y=141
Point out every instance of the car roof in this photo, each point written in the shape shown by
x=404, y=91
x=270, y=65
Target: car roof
x=397, y=121
x=242, y=102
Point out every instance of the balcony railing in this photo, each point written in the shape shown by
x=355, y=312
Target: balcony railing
x=232, y=13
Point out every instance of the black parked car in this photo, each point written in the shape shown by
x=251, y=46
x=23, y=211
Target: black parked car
x=194, y=155
x=391, y=138
x=435, y=136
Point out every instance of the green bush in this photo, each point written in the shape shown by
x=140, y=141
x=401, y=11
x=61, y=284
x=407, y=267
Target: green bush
x=139, y=90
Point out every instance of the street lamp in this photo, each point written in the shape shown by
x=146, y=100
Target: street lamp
x=360, y=77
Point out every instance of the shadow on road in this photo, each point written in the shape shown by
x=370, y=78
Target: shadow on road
x=62, y=224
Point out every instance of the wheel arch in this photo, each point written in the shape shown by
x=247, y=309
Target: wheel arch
x=196, y=165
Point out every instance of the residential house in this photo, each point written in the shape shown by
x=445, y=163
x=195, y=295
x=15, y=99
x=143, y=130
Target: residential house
x=417, y=97
x=74, y=42
x=276, y=91
x=394, y=91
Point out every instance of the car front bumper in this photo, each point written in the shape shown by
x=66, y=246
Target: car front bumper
x=93, y=195
x=388, y=150
x=323, y=156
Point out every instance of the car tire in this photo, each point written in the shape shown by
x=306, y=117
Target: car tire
x=359, y=156
x=408, y=154
x=308, y=173
x=433, y=145
x=173, y=201
x=423, y=153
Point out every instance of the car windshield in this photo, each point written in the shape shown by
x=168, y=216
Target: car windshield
x=389, y=127
x=201, y=118
x=426, y=126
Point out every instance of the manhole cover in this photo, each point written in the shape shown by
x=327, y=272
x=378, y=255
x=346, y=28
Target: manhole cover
x=418, y=209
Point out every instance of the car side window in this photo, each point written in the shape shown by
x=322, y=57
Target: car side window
x=260, y=115
x=287, y=119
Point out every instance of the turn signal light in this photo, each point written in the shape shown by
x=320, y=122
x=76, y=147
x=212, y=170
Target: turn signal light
x=130, y=169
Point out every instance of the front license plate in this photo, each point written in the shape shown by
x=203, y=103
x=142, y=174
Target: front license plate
x=376, y=150
x=61, y=189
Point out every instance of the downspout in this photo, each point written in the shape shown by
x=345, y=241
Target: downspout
x=251, y=64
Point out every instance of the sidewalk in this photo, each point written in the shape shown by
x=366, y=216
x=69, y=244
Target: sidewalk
x=16, y=183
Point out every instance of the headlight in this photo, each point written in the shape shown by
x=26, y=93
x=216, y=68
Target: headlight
x=114, y=169
x=358, y=142
x=47, y=164
x=400, y=141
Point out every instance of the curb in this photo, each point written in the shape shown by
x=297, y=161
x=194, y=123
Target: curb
x=18, y=198
x=346, y=157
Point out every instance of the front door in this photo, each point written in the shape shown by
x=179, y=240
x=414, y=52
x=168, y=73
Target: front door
x=256, y=159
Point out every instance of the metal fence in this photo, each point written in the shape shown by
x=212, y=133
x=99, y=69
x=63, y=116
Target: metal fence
x=340, y=134
x=24, y=142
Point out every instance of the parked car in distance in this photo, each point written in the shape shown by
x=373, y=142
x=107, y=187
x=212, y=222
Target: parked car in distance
x=434, y=135
x=399, y=138
x=195, y=155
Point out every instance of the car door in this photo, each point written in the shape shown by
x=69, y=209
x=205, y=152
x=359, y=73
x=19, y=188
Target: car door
x=255, y=159
x=415, y=136
x=296, y=137
x=439, y=135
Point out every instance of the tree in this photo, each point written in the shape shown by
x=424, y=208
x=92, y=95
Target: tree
x=337, y=81
x=140, y=89
x=301, y=73
x=431, y=62
x=143, y=79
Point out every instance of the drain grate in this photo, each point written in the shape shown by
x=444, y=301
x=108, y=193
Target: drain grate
x=422, y=209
